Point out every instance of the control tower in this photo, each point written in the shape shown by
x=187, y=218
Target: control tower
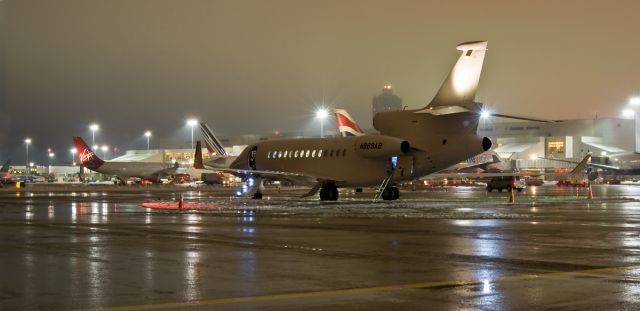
x=387, y=101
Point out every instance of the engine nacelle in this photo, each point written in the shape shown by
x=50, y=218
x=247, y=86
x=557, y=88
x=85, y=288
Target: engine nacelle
x=380, y=146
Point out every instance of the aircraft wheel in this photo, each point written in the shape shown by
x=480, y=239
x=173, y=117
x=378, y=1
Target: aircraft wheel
x=324, y=194
x=499, y=189
x=334, y=194
x=257, y=196
x=519, y=189
x=396, y=193
x=329, y=192
x=387, y=194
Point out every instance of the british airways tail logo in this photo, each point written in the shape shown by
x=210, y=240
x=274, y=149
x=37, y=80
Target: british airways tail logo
x=346, y=125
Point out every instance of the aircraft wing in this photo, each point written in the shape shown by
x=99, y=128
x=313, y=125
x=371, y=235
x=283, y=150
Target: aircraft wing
x=481, y=175
x=516, y=117
x=296, y=178
x=603, y=166
x=168, y=171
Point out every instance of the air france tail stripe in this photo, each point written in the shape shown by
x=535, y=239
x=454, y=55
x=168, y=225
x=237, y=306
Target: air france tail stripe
x=211, y=141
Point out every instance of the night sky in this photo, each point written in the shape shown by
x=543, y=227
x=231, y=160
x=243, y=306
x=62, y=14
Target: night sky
x=258, y=66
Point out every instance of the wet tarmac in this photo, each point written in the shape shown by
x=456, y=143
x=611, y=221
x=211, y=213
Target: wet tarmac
x=442, y=249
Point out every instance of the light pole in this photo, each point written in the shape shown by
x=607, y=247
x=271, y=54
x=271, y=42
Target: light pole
x=148, y=135
x=93, y=127
x=27, y=142
x=192, y=123
x=322, y=114
x=104, y=149
x=73, y=156
x=51, y=155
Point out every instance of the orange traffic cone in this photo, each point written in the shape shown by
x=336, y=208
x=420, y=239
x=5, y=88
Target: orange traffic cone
x=589, y=193
x=180, y=201
x=512, y=197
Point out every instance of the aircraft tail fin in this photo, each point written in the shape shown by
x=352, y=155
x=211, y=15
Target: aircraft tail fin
x=87, y=157
x=346, y=124
x=6, y=166
x=211, y=141
x=197, y=157
x=460, y=86
x=580, y=168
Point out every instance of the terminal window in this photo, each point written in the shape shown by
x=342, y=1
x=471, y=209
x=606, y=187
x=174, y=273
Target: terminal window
x=555, y=147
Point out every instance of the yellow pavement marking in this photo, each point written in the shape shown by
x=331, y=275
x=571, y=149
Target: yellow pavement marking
x=360, y=290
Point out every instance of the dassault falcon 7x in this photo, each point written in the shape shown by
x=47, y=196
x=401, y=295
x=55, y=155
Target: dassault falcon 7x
x=122, y=170
x=411, y=143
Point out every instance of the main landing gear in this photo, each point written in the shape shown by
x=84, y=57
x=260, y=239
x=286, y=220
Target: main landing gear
x=390, y=193
x=329, y=192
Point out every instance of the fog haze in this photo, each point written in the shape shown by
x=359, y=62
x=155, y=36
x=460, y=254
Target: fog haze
x=258, y=66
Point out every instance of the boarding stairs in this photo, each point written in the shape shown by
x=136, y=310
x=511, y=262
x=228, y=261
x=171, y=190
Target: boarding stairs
x=384, y=184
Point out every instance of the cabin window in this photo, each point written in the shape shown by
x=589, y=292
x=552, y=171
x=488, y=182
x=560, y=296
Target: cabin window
x=313, y=154
x=290, y=154
x=295, y=154
x=307, y=153
x=331, y=153
x=269, y=155
x=344, y=152
x=286, y=153
x=279, y=154
x=319, y=153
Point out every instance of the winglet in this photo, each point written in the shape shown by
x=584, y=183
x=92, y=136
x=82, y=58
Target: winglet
x=579, y=169
x=197, y=157
x=5, y=167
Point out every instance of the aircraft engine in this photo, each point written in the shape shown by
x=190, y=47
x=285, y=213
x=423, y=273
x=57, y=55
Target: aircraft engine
x=381, y=147
x=486, y=143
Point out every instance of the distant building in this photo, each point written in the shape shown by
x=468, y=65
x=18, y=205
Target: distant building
x=387, y=101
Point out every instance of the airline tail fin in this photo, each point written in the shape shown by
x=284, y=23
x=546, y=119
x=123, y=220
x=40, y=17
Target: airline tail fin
x=460, y=86
x=197, y=157
x=6, y=166
x=87, y=157
x=579, y=169
x=211, y=141
x=346, y=125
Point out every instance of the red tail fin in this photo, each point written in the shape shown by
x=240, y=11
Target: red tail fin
x=87, y=157
x=197, y=157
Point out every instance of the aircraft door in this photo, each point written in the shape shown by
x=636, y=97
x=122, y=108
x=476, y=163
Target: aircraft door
x=404, y=167
x=252, y=157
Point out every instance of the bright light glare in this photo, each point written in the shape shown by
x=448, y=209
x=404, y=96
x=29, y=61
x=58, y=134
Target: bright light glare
x=27, y=141
x=628, y=113
x=533, y=156
x=94, y=127
x=635, y=100
x=95, y=147
x=104, y=148
x=72, y=150
x=192, y=122
x=147, y=133
x=484, y=114
x=322, y=113
x=51, y=154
